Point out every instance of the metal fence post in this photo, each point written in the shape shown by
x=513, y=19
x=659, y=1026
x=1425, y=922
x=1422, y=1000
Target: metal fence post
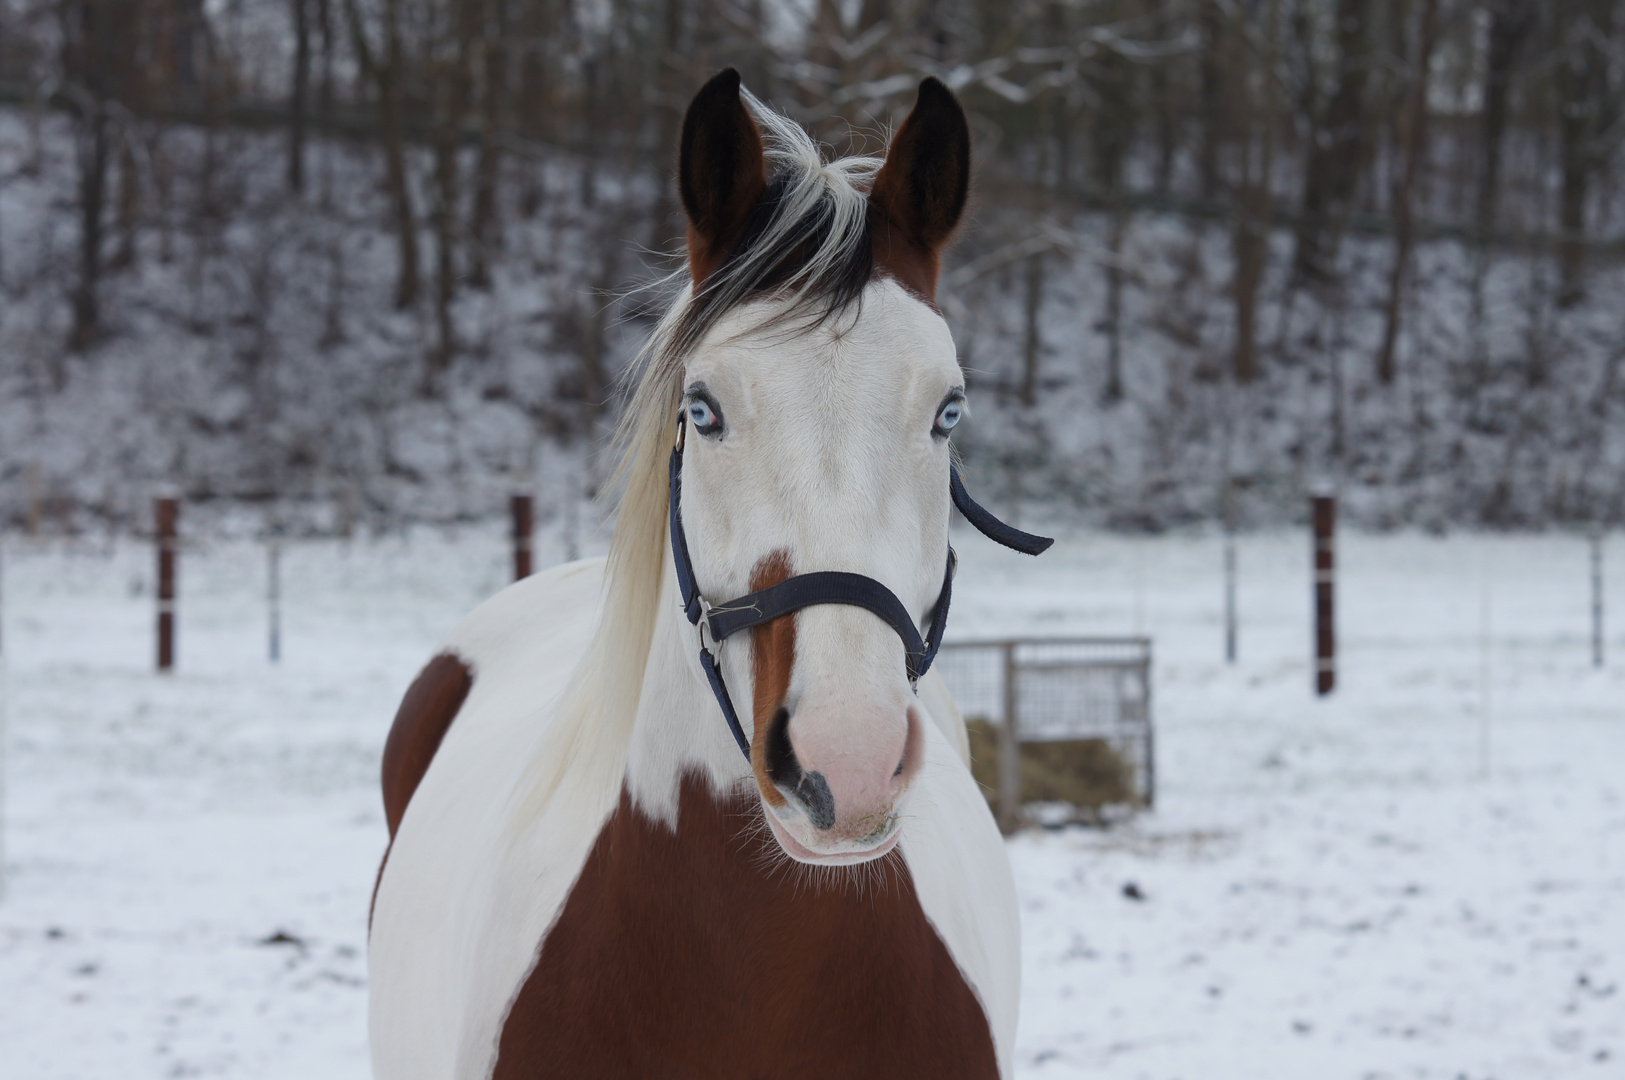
x=1150, y=732
x=1325, y=517
x=1596, y=597
x=166, y=509
x=524, y=528
x=1230, y=572
x=273, y=597
x=1009, y=749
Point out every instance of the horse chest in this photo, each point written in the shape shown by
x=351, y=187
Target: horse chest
x=697, y=953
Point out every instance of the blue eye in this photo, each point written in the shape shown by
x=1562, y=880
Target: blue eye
x=948, y=417
x=703, y=417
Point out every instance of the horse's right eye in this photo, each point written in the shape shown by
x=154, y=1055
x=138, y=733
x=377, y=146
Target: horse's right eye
x=704, y=417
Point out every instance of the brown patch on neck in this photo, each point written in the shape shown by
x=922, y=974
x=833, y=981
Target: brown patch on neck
x=772, y=658
x=430, y=705
x=911, y=264
x=694, y=953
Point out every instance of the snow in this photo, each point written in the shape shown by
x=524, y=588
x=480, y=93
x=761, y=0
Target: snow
x=1420, y=876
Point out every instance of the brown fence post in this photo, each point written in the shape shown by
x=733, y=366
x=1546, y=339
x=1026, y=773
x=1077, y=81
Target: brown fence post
x=166, y=510
x=524, y=527
x=1325, y=515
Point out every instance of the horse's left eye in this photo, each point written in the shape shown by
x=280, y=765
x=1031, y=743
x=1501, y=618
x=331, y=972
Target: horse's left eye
x=947, y=418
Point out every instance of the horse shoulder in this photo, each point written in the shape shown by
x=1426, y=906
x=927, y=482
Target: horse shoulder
x=460, y=870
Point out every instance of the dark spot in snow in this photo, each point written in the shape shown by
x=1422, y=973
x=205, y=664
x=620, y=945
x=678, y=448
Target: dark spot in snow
x=1214, y=991
x=282, y=937
x=1601, y=1055
x=1302, y=1027
x=55, y=933
x=1132, y=891
x=86, y=969
x=1045, y=1055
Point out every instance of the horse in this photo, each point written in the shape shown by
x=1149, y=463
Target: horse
x=594, y=869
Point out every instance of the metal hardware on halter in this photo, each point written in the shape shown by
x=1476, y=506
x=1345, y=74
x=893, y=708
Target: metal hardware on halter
x=820, y=587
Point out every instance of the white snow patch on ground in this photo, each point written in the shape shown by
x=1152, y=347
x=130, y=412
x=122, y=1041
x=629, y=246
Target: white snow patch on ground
x=1423, y=876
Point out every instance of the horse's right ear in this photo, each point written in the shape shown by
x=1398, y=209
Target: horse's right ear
x=721, y=171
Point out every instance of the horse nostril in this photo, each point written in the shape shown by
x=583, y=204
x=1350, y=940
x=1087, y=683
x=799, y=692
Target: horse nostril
x=814, y=794
x=779, y=757
x=810, y=789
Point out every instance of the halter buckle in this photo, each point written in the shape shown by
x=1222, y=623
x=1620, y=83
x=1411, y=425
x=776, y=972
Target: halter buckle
x=703, y=628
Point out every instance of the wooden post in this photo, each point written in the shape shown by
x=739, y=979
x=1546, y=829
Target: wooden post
x=1009, y=749
x=1596, y=597
x=1325, y=515
x=166, y=510
x=524, y=527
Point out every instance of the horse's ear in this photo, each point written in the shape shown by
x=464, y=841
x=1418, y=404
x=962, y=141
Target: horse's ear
x=921, y=190
x=721, y=172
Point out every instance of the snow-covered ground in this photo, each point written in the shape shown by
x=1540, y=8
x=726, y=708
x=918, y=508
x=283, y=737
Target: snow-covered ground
x=1423, y=876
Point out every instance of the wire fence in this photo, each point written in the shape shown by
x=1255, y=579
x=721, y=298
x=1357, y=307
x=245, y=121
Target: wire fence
x=1056, y=692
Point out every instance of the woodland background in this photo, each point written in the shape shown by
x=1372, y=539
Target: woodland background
x=323, y=265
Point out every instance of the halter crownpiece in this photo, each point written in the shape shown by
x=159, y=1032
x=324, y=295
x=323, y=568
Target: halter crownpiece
x=719, y=621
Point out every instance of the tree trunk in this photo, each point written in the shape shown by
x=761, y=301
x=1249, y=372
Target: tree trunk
x=1415, y=148
x=1510, y=26
x=1254, y=196
x=128, y=217
x=1032, y=345
x=92, y=156
x=493, y=108
x=1336, y=148
x=386, y=75
x=1114, y=304
x=451, y=93
x=1214, y=129
x=1588, y=108
x=298, y=101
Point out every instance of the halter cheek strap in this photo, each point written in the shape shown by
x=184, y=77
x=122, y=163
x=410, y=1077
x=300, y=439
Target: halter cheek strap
x=718, y=622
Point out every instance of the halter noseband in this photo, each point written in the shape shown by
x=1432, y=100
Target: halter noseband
x=719, y=621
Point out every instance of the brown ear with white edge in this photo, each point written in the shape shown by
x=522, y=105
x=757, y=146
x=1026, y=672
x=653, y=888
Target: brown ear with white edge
x=721, y=172
x=920, y=193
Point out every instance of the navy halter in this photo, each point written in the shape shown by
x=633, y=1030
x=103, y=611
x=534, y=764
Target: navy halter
x=719, y=621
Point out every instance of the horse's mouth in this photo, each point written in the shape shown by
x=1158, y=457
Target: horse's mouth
x=882, y=840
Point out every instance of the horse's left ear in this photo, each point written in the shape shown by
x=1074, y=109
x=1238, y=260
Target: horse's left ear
x=921, y=190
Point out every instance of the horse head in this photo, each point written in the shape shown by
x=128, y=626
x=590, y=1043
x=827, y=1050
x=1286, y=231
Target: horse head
x=816, y=405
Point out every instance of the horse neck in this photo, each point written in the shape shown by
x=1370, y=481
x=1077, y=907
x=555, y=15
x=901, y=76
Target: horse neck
x=679, y=727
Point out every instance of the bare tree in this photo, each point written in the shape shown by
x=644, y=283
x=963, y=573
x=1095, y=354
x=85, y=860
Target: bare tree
x=1337, y=144
x=384, y=68
x=1255, y=88
x=1412, y=148
x=1588, y=108
x=299, y=98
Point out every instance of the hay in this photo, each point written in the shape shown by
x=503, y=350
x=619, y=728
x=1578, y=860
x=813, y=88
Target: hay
x=1087, y=773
